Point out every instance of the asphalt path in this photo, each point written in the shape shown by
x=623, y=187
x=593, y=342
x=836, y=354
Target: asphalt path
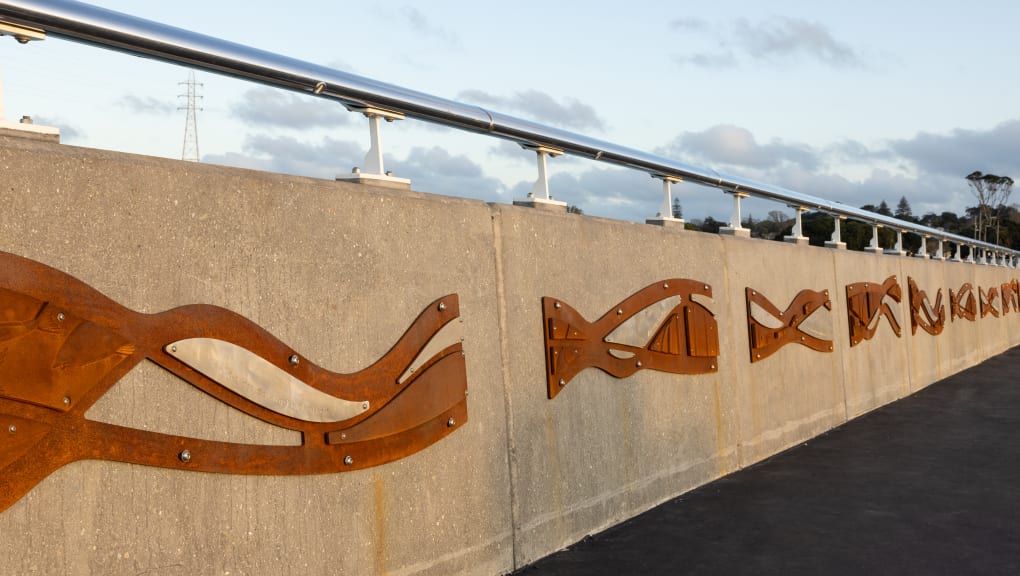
x=927, y=485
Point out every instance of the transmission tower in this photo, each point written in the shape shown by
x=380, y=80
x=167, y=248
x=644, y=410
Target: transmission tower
x=190, y=149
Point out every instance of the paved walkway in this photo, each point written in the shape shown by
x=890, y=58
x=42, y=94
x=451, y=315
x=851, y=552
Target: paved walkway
x=927, y=485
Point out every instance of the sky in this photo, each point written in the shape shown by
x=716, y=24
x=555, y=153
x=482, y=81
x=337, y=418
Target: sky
x=855, y=102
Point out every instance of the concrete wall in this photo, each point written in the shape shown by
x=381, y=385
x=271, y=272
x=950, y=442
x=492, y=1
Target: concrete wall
x=338, y=271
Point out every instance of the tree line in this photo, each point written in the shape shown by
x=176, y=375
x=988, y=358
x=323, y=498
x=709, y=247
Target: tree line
x=991, y=220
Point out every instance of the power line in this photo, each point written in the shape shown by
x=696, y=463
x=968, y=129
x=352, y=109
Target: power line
x=189, y=151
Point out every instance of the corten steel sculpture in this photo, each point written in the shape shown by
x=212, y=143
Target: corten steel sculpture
x=962, y=304
x=930, y=318
x=988, y=301
x=667, y=331
x=866, y=306
x=63, y=345
x=1010, y=293
x=765, y=341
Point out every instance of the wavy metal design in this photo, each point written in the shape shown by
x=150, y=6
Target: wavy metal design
x=866, y=307
x=684, y=338
x=1010, y=292
x=962, y=304
x=988, y=301
x=930, y=318
x=63, y=345
x=766, y=341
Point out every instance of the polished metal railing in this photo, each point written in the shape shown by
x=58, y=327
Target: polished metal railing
x=97, y=26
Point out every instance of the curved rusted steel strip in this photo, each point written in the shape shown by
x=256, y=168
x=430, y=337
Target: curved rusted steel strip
x=866, y=306
x=685, y=341
x=921, y=310
x=765, y=341
x=63, y=345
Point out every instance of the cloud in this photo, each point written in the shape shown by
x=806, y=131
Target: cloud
x=280, y=108
x=285, y=154
x=784, y=37
x=422, y=25
x=437, y=171
x=735, y=146
x=540, y=107
x=962, y=151
x=68, y=131
x=147, y=105
x=777, y=40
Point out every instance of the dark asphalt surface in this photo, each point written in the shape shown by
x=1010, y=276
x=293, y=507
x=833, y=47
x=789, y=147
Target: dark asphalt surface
x=927, y=485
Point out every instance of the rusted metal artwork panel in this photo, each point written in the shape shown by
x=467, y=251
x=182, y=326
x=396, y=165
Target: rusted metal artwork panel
x=659, y=328
x=1010, y=293
x=866, y=307
x=962, y=304
x=930, y=318
x=765, y=340
x=63, y=345
x=988, y=301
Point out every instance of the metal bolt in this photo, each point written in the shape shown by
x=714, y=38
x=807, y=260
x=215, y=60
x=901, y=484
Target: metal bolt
x=348, y=460
x=185, y=456
x=451, y=423
x=173, y=348
x=442, y=306
x=801, y=338
x=712, y=367
x=638, y=363
x=619, y=311
x=293, y=359
x=706, y=286
x=12, y=428
x=753, y=293
x=665, y=285
x=364, y=405
x=563, y=382
x=343, y=435
x=830, y=347
x=757, y=355
x=60, y=316
x=67, y=400
x=556, y=305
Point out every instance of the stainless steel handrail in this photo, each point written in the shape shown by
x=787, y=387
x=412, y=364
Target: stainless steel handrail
x=105, y=28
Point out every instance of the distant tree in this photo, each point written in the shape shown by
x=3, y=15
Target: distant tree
x=992, y=192
x=903, y=211
x=883, y=209
x=712, y=225
x=573, y=209
x=677, y=210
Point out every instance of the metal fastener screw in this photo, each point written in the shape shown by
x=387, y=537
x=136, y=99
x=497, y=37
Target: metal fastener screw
x=293, y=359
x=556, y=305
x=67, y=400
x=638, y=363
x=343, y=435
x=442, y=306
x=348, y=460
x=60, y=317
x=185, y=456
x=801, y=338
x=563, y=382
x=706, y=286
x=451, y=423
x=757, y=355
x=173, y=348
x=665, y=285
x=12, y=428
x=619, y=311
x=712, y=367
x=364, y=405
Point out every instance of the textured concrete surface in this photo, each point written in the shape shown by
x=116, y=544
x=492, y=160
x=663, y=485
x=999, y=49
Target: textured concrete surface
x=339, y=271
x=922, y=486
x=604, y=448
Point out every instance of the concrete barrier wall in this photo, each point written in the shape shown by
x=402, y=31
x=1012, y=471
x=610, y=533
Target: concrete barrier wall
x=338, y=271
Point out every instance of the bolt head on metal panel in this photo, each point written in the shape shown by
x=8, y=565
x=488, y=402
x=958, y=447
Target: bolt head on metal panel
x=348, y=460
x=185, y=456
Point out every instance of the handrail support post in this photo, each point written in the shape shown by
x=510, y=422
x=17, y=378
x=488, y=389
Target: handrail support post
x=665, y=215
x=736, y=228
x=836, y=241
x=874, y=247
x=539, y=197
x=796, y=235
x=374, y=171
